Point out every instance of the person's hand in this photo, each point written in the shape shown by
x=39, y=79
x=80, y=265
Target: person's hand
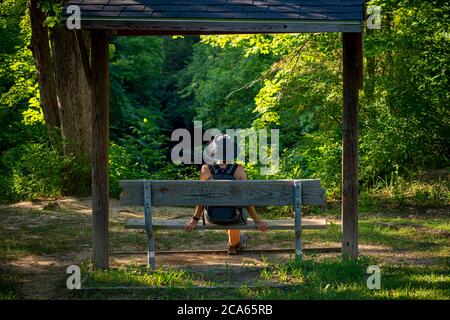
x=191, y=225
x=262, y=226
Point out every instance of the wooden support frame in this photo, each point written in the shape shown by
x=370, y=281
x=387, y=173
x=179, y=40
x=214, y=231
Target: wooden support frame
x=148, y=224
x=298, y=220
x=319, y=16
x=100, y=141
x=352, y=64
x=98, y=69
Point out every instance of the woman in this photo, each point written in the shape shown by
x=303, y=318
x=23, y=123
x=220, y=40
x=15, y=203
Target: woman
x=218, y=151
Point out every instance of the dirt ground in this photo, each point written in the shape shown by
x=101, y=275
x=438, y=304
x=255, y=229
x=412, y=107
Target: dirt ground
x=42, y=273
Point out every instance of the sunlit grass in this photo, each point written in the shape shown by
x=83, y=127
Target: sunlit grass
x=313, y=278
x=135, y=276
x=423, y=239
x=395, y=191
x=332, y=278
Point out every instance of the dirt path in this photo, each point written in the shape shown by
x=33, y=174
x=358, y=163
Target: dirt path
x=43, y=274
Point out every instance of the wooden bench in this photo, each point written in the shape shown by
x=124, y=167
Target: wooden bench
x=154, y=193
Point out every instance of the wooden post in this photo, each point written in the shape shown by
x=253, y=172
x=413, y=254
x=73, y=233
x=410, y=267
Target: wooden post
x=100, y=140
x=149, y=225
x=298, y=220
x=352, y=53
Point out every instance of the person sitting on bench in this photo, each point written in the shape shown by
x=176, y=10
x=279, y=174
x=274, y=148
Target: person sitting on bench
x=221, y=170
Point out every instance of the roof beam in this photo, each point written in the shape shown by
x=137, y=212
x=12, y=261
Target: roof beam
x=195, y=27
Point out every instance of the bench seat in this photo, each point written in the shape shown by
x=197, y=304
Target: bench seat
x=178, y=224
x=239, y=193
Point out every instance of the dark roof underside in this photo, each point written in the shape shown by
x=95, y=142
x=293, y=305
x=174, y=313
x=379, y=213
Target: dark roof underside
x=221, y=16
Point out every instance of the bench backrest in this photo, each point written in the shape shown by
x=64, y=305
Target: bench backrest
x=221, y=193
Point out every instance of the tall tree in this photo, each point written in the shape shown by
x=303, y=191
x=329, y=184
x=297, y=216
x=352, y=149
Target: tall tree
x=40, y=46
x=64, y=89
x=73, y=93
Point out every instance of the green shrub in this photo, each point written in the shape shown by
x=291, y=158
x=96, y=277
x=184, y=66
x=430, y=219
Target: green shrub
x=31, y=171
x=394, y=190
x=124, y=163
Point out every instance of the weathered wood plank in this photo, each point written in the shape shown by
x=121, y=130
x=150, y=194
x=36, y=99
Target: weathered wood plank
x=100, y=140
x=352, y=47
x=225, y=251
x=178, y=224
x=221, y=193
x=218, y=27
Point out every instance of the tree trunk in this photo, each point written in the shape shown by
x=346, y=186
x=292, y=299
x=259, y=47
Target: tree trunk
x=65, y=94
x=74, y=94
x=40, y=46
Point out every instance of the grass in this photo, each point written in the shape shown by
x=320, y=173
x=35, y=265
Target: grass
x=314, y=278
x=136, y=276
x=9, y=289
x=25, y=232
x=395, y=217
x=419, y=190
x=335, y=279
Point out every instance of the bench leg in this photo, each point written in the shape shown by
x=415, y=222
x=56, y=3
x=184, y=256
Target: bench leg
x=149, y=225
x=151, y=252
x=298, y=249
x=298, y=220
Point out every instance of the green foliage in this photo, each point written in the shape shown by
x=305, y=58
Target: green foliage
x=291, y=82
x=142, y=155
x=29, y=168
x=12, y=12
x=122, y=166
x=178, y=51
x=395, y=191
x=18, y=87
x=219, y=85
x=53, y=11
x=32, y=171
x=404, y=118
x=136, y=81
x=141, y=110
x=137, y=155
x=405, y=115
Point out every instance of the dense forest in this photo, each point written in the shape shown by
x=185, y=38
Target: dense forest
x=289, y=82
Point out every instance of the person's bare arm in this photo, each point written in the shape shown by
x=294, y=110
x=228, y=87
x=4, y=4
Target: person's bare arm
x=262, y=226
x=192, y=224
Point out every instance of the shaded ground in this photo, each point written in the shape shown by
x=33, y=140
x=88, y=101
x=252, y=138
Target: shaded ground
x=40, y=239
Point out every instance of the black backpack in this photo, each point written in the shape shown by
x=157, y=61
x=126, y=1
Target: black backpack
x=223, y=215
